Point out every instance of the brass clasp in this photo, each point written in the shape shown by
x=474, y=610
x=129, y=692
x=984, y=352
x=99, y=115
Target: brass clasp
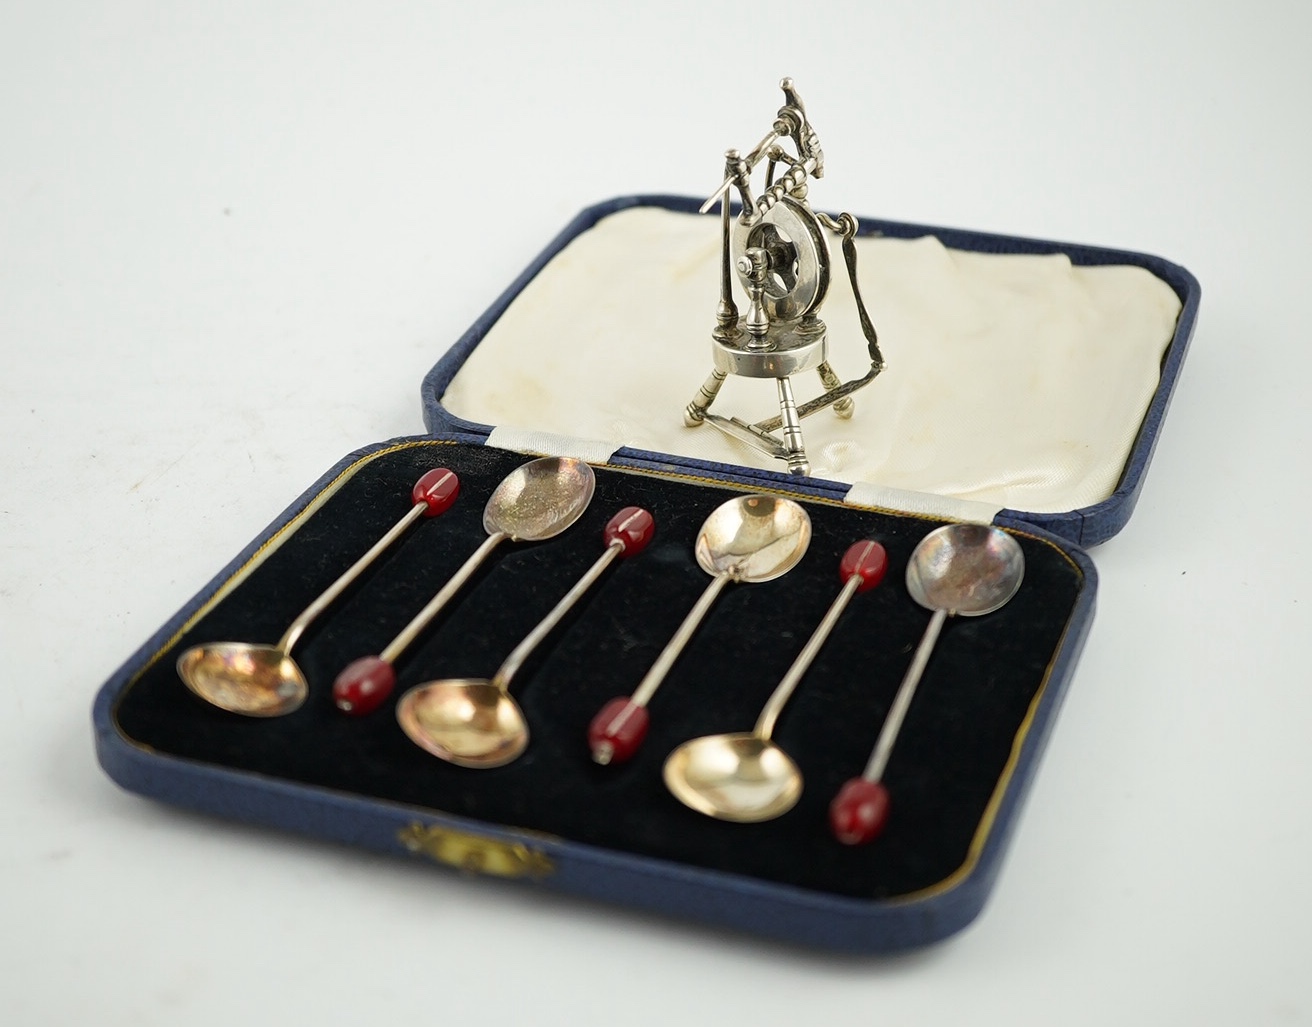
x=474, y=853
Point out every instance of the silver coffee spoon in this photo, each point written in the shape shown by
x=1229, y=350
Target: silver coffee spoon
x=473, y=722
x=536, y=501
x=745, y=777
x=748, y=539
x=263, y=680
x=959, y=569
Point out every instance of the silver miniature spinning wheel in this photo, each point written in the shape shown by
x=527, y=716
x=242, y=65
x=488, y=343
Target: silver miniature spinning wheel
x=776, y=248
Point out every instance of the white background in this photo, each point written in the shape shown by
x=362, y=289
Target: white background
x=233, y=237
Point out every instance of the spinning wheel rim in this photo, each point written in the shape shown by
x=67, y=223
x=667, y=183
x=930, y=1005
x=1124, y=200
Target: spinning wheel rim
x=794, y=292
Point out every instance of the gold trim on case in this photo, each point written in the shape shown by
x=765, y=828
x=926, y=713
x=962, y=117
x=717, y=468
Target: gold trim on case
x=474, y=853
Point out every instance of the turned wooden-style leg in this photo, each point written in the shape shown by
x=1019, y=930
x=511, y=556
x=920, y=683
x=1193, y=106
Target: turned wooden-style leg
x=844, y=407
x=695, y=413
x=794, y=447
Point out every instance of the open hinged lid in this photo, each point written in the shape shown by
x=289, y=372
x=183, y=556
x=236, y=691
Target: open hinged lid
x=1025, y=378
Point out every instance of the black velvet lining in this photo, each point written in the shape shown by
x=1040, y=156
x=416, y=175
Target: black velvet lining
x=955, y=744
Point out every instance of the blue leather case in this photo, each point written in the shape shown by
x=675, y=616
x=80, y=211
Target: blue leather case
x=553, y=819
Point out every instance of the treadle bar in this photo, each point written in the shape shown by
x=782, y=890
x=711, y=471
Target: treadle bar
x=739, y=429
x=825, y=399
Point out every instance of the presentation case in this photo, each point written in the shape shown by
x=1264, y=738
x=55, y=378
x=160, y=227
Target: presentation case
x=554, y=818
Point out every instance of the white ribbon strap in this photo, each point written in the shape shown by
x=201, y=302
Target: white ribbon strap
x=523, y=440
x=865, y=493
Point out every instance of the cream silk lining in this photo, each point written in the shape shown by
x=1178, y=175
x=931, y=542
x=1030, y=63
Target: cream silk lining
x=1012, y=381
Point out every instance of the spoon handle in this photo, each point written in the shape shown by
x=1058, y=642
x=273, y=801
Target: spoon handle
x=625, y=534
x=297, y=627
x=653, y=678
x=411, y=631
x=521, y=652
x=784, y=690
x=432, y=494
x=905, y=692
x=862, y=568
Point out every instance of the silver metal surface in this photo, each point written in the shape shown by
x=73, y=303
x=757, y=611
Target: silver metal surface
x=536, y=501
x=788, y=684
x=797, y=260
x=258, y=680
x=777, y=251
x=958, y=569
x=696, y=410
x=737, y=777
x=786, y=352
x=744, y=776
x=540, y=499
x=506, y=672
x=748, y=539
x=753, y=538
x=967, y=569
x=476, y=723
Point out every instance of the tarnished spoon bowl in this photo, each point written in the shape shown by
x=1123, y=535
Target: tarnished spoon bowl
x=466, y=721
x=966, y=569
x=540, y=499
x=256, y=680
x=738, y=777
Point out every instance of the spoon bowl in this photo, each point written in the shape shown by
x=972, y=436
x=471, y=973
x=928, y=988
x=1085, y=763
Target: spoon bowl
x=739, y=777
x=540, y=499
x=753, y=538
x=256, y=680
x=967, y=569
x=470, y=722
